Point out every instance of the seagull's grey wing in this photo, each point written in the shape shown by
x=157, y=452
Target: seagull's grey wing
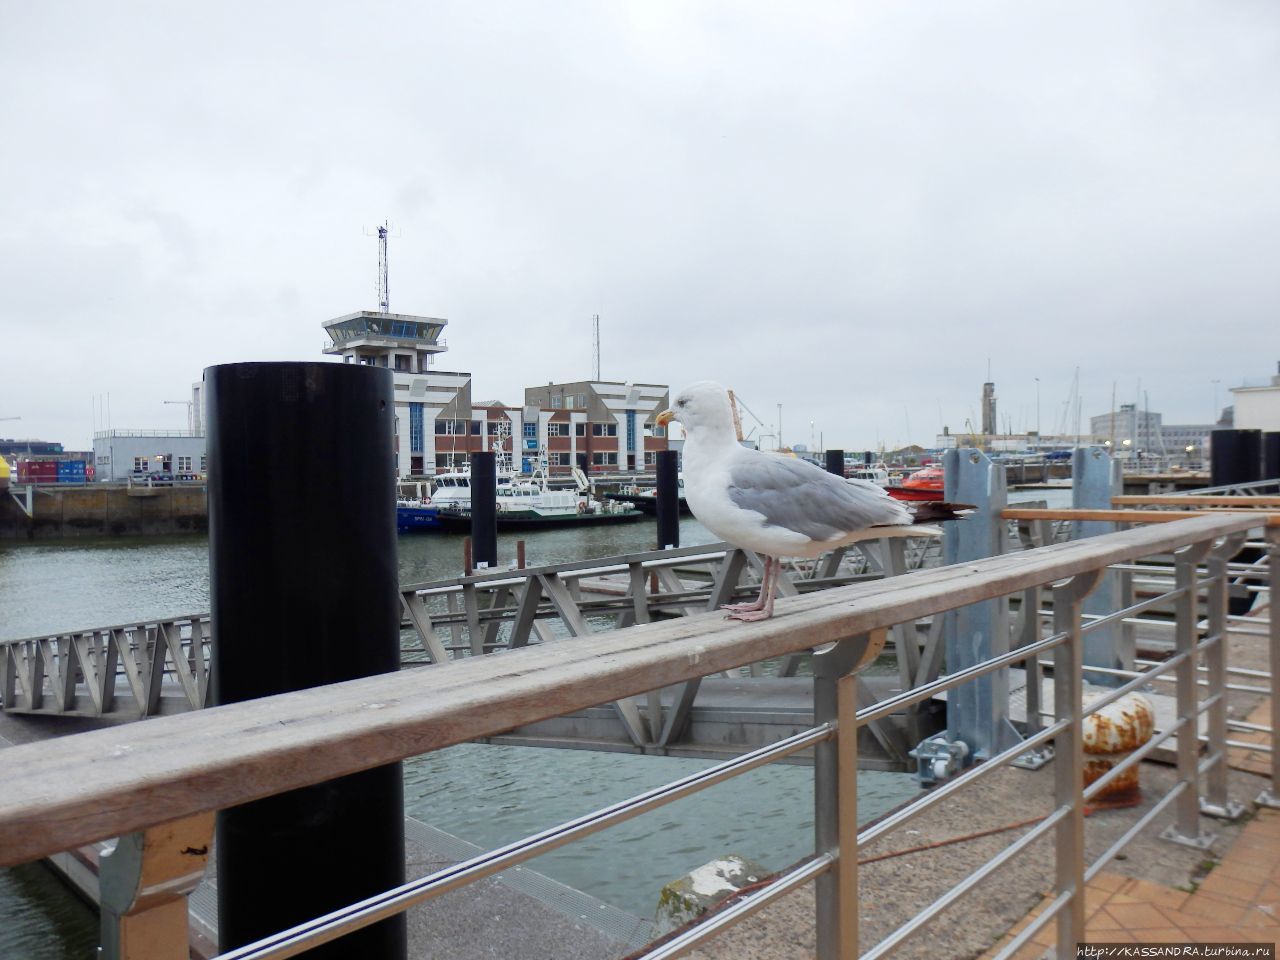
x=799, y=496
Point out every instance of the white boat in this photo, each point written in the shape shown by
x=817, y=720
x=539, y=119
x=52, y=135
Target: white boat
x=528, y=504
x=876, y=474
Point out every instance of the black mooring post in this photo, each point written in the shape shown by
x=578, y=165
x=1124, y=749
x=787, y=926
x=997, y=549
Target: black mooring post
x=1235, y=456
x=668, y=499
x=303, y=582
x=484, y=510
x=866, y=457
x=835, y=462
x=1271, y=456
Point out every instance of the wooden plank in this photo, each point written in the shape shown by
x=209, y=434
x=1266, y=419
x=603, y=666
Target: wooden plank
x=70, y=791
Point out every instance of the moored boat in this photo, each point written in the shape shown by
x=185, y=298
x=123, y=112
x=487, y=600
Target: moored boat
x=924, y=484
x=646, y=498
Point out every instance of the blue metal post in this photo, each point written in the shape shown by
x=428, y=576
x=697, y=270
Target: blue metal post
x=978, y=711
x=1096, y=478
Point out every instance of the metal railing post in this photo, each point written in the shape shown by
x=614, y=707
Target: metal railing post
x=1215, y=802
x=1186, y=830
x=1068, y=770
x=1270, y=797
x=835, y=791
x=977, y=712
x=1097, y=478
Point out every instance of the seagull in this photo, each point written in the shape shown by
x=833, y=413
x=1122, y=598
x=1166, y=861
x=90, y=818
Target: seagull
x=773, y=505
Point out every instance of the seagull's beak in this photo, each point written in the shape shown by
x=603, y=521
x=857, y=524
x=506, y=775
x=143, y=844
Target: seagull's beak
x=665, y=417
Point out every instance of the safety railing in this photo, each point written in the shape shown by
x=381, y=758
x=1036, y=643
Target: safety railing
x=74, y=790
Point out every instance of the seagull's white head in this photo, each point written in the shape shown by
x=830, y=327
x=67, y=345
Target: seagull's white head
x=703, y=410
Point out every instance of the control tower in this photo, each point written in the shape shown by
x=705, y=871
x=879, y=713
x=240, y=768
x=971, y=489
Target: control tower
x=401, y=341
x=433, y=429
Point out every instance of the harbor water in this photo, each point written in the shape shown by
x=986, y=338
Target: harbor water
x=484, y=794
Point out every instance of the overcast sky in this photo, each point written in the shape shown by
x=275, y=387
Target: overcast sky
x=848, y=209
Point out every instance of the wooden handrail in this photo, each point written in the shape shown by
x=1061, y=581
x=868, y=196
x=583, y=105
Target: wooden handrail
x=1259, y=517
x=73, y=790
x=1198, y=500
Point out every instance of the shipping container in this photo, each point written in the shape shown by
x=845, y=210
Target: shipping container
x=37, y=471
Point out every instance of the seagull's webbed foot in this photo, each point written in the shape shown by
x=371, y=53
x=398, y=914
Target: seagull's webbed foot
x=749, y=616
x=762, y=607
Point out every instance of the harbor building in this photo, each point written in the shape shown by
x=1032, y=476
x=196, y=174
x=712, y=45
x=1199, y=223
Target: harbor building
x=1132, y=431
x=612, y=422
x=1257, y=404
x=126, y=454
x=437, y=427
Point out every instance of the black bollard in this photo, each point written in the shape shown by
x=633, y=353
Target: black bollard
x=1235, y=457
x=1271, y=456
x=668, y=505
x=866, y=458
x=484, y=510
x=303, y=582
x=835, y=462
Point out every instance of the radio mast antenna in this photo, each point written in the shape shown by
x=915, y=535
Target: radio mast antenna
x=596, y=324
x=384, y=291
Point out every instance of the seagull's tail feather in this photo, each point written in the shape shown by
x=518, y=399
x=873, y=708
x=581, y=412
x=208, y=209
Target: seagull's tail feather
x=936, y=511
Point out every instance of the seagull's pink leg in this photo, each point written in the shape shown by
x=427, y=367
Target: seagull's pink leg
x=759, y=602
x=768, y=589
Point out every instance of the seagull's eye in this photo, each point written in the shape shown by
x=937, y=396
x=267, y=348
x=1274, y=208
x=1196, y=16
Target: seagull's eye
x=682, y=403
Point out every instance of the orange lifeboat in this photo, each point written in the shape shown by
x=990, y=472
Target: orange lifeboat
x=924, y=484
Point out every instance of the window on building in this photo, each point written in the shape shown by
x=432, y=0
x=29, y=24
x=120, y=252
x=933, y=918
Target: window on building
x=103, y=461
x=529, y=431
x=184, y=464
x=402, y=362
x=579, y=429
x=204, y=463
x=452, y=427
x=417, y=440
x=476, y=427
x=650, y=458
x=604, y=459
x=561, y=460
x=557, y=429
x=383, y=360
x=141, y=464
x=557, y=402
x=604, y=429
x=494, y=429
x=581, y=401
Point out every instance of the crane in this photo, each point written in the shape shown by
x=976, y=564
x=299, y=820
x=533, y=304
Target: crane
x=735, y=402
x=188, y=404
x=737, y=420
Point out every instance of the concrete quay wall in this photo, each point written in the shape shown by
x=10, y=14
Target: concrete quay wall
x=104, y=510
